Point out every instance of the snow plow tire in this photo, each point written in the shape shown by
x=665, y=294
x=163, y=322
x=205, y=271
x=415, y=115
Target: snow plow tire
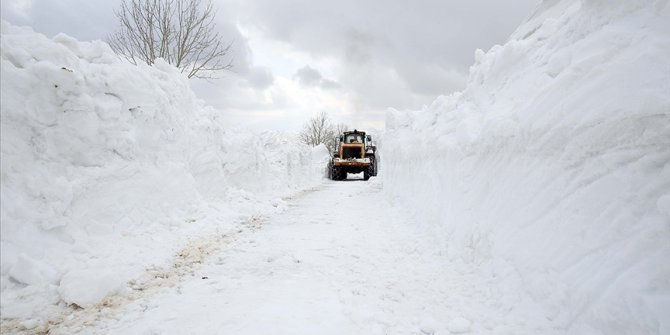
x=336, y=173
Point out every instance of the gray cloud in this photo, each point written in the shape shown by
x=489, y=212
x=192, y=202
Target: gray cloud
x=310, y=77
x=260, y=77
x=434, y=34
x=328, y=84
x=358, y=47
x=85, y=20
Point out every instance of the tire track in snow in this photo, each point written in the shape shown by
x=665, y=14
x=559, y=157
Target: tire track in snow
x=75, y=319
x=156, y=280
x=337, y=262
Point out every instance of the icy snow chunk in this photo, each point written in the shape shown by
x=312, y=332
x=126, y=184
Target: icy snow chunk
x=429, y=326
x=67, y=41
x=30, y=323
x=87, y=287
x=558, y=62
x=459, y=325
x=32, y=272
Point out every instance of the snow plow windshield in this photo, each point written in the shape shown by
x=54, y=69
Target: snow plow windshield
x=353, y=138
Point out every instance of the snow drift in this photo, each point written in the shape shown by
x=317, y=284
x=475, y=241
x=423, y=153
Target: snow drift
x=551, y=170
x=109, y=168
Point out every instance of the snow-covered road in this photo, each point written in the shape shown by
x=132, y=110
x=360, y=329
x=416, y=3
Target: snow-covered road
x=340, y=260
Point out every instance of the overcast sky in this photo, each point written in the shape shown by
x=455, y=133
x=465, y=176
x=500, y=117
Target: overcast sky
x=294, y=58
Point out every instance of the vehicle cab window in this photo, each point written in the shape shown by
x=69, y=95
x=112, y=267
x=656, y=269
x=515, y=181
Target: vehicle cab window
x=354, y=138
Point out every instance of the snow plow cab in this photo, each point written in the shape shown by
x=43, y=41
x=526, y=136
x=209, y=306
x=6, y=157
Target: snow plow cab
x=355, y=153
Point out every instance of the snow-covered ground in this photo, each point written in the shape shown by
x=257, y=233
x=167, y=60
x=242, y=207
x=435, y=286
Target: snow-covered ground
x=552, y=168
x=339, y=260
x=109, y=169
x=536, y=201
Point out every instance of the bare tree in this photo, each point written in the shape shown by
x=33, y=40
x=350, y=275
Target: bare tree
x=338, y=129
x=318, y=130
x=179, y=31
x=341, y=128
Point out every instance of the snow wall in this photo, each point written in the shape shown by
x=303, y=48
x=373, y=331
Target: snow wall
x=110, y=168
x=551, y=170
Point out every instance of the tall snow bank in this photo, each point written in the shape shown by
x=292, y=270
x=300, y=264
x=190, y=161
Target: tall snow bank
x=109, y=168
x=551, y=170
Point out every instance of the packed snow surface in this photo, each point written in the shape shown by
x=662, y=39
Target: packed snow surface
x=551, y=170
x=109, y=169
x=313, y=269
